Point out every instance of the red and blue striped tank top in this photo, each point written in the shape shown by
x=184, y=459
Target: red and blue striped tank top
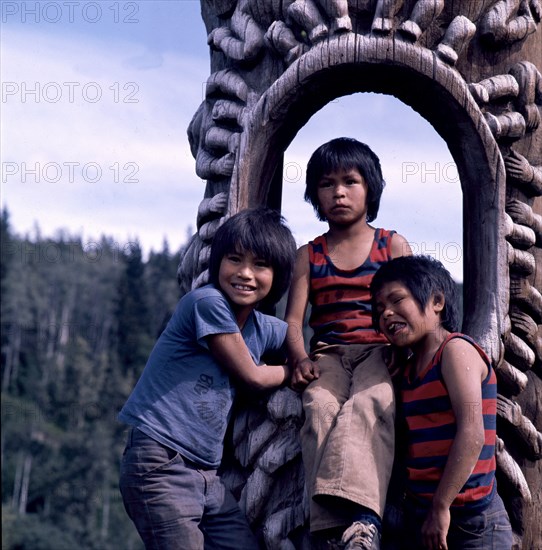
x=340, y=299
x=432, y=428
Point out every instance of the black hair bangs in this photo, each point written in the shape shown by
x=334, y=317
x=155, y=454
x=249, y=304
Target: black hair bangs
x=261, y=231
x=424, y=277
x=344, y=154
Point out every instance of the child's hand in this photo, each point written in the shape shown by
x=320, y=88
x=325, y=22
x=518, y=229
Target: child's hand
x=305, y=371
x=435, y=529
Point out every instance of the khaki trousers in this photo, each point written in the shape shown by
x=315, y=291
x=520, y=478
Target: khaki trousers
x=348, y=435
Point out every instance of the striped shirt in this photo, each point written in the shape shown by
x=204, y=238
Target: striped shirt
x=340, y=299
x=432, y=428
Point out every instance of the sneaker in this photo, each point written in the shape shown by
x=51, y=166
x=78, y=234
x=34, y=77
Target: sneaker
x=361, y=536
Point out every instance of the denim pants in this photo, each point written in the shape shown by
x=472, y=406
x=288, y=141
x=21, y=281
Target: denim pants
x=486, y=530
x=174, y=504
x=348, y=438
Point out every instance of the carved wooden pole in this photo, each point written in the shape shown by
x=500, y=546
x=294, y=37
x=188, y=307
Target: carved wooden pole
x=472, y=68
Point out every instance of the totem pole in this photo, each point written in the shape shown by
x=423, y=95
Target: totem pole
x=472, y=69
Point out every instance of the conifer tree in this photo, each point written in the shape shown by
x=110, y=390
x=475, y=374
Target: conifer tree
x=132, y=314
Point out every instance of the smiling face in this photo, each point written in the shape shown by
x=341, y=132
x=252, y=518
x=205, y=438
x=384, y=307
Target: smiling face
x=245, y=280
x=342, y=197
x=400, y=317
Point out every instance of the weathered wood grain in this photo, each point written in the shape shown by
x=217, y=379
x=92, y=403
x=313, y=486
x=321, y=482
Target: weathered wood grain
x=472, y=69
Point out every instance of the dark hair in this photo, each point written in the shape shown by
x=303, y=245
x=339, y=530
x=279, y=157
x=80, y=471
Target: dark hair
x=424, y=277
x=263, y=232
x=345, y=153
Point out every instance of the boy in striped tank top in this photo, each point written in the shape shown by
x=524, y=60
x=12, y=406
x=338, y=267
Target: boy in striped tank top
x=348, y=435
x=448, y=395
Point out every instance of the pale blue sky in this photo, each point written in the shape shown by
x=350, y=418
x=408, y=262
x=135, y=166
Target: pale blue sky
x=96, y=100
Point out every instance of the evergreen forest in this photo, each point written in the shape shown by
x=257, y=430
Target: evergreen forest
x=78, y=321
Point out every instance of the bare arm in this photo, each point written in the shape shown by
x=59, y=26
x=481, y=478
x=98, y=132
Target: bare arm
x=463, y=371
x=232, y=353
x=304, y=370
x=400, y=246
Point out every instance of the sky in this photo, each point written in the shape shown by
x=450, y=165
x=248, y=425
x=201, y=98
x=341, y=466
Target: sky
x=96, y=101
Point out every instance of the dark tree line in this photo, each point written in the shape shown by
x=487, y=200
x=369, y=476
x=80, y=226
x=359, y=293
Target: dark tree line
x=78, y=321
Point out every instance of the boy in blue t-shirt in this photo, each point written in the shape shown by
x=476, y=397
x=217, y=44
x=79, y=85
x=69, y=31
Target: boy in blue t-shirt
x=180, y=408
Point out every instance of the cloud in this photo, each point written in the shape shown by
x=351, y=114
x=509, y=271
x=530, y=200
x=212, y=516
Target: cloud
x=95, y=141
x=149, y=60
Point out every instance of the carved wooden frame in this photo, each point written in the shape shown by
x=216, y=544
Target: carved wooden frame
x=471, y=68
x=451, y=110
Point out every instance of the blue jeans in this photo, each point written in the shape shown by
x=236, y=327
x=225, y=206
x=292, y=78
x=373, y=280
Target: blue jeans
x=175, y=505
x=487, y=530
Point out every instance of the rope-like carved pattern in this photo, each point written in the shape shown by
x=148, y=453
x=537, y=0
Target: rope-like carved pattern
x=523, y=348
x=214, y=135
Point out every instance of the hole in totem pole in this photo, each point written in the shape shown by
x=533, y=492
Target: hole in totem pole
x=422, y=199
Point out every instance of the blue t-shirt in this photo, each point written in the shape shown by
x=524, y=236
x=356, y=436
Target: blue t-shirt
x=184, y=396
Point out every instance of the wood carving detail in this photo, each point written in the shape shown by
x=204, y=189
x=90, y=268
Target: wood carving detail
x=269, y=64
